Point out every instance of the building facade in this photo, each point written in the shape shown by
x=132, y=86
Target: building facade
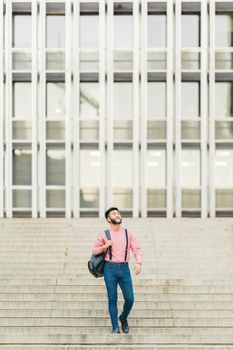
x=124, y=103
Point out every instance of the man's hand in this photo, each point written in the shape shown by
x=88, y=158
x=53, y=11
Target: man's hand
x=137, y=269
x=107, y=245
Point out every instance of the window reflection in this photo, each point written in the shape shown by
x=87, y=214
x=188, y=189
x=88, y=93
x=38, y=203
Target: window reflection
x=190, y=168
x=156, y=30
x=123, y=100
x=55, y=99
x=55, y=167
x=122, y=178
x=224, y=100
x=123, y=31
x=190, y=100
x=224, y=168
x=156, y=100
x=89, y=31
x=22, y=31
x=22, y=167
x=55, y=33
x=190, y=30
x=89, y=100
x=22, y=100
x=156, y=169
x=224, y=30
x=90, y=164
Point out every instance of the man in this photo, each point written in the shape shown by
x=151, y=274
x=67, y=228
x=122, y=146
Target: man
x=116, y=269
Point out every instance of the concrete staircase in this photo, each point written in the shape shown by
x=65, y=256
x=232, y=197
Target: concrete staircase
x=183, y=298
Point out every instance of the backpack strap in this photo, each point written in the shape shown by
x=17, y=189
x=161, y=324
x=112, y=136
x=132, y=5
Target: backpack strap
x=126, y=248
x=107, y=233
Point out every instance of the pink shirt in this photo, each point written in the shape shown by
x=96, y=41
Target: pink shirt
x=118, y=246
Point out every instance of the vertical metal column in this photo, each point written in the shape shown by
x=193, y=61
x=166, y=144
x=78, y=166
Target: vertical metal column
x=178, y=108
x=8, y=109
x=109, y=102
x=68, y=110
x=76, y=123
x=211, y=108
x=204, y=97
x=136, y=109
x=1, y=113
x=170, y=108
x=102, y=109
x=42, y=110
x=34, y=107
x=143, y=121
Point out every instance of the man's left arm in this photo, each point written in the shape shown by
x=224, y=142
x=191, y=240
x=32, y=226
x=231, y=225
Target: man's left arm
x=137, y=253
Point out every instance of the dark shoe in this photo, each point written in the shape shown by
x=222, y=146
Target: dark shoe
x=116, y=330
x=124, y=325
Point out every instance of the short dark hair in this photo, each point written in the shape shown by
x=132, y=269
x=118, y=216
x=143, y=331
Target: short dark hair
x=109, y=210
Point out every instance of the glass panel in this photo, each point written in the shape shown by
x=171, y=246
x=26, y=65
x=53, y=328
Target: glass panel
x=223, y=60
x=156, y=169
x=22, y=95
x=191, y=199
x=90, y=176
x=55, y=34
x=190, y=60
x=89, y=198
x=55, y=61
x=224, y=199
x=224, y=102
x=224, y=130
x=55, y=100
x=190, y=32
x=22, y=167
x=123, y=100
x=190, y=130
x=122, y=172
x=156, y=130
x=55, y=198
x=157, y=60
x=22, y=198
x=123, y=60
x=223, y=30
x=55, y=167
x=89, y=61
x=156, y=100
x=224, y=168
x=55, y=130
x=123, y=31
x=22, y=61
x=156, y=31
x=123, y=130
x=190, y=101
x=89, y=130
x=89, y=31
x=89, y=100
x=156, y=199
x=22, y=130
x=22, y=31
x=123, y=198
x=190, y=168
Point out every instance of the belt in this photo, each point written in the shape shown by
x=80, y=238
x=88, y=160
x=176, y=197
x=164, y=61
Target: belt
x=115, y=263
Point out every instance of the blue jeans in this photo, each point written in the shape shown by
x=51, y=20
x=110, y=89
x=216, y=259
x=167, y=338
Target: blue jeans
x=115, y=274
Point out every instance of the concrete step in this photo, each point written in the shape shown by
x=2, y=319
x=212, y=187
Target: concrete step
x=105, y=330
x=105, y=322
x=157, y=338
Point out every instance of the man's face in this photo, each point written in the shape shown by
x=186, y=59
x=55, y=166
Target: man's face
x=115, y=217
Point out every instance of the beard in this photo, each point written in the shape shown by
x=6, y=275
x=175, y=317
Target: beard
x=115, y=222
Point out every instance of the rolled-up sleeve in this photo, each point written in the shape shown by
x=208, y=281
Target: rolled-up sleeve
x=98, y=244
x=135, y=249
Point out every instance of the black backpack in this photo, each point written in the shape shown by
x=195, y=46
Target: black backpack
x=96, y=263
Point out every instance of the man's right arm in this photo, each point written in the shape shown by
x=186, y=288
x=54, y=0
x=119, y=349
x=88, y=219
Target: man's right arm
x=100, y=245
